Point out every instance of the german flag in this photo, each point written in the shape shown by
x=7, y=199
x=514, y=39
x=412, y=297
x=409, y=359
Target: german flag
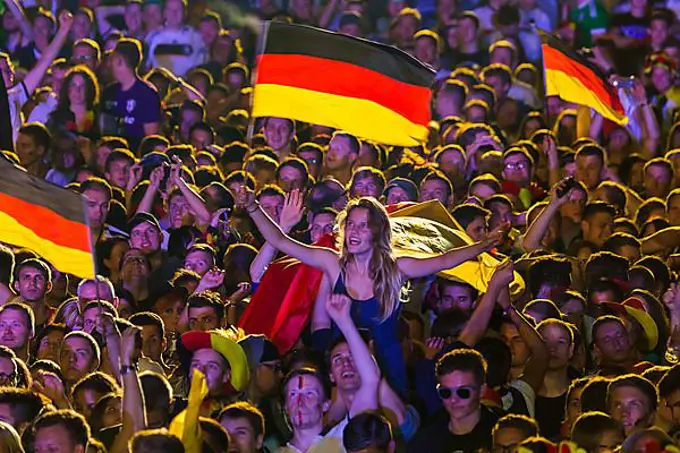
x=45, y=218
x=371, y=90
x=575, y=79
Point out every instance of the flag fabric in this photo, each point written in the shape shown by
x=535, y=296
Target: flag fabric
x=45, y=218
x=371, y=90
x=575, y=79
x=186, y=425
x=283, y=302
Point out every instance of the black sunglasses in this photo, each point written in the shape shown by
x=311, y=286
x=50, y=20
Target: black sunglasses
x=464, y=392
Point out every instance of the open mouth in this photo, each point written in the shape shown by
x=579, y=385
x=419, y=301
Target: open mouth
x=354, y=241
x=348, y=375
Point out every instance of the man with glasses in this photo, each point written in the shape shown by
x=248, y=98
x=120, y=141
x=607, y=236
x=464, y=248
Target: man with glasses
x=461, y=377
x=86, y=52
x=8, y=367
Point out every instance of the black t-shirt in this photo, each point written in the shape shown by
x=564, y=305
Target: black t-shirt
x=630, y=26
x=550, y=414
x=438, y=439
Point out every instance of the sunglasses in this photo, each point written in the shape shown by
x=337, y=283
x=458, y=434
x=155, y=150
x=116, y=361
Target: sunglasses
x=463, y=392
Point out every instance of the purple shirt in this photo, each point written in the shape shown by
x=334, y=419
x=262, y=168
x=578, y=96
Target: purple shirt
x=126, y=112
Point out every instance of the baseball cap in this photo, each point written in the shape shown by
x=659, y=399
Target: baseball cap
x=140, y=218
x=404, y=184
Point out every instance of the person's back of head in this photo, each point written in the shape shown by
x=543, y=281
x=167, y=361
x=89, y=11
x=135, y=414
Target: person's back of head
x=368, y=431
x=155, y=441
x=592, y=428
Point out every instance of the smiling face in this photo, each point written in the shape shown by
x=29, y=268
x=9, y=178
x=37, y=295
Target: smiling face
x=358, y=234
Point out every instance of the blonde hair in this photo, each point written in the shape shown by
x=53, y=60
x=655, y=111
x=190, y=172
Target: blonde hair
x=383, y=268
x=9, y=438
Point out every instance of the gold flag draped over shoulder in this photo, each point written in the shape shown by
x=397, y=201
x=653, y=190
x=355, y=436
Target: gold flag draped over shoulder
x=427, y=229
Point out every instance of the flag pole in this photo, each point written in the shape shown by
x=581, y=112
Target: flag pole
x=544, y=80
x=6, y=133
x=262, y=41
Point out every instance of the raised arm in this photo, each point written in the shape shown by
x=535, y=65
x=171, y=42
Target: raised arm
x=17, y=11
x=536, y=366
x=102, y=14
x=539, y=227
x=196, y=203
x=134, y=414
x=479, y=321
x=155, y=179
x=422, y=267
x=366, y=399
x=319, y=257
x=290, y=216
x=35, y=75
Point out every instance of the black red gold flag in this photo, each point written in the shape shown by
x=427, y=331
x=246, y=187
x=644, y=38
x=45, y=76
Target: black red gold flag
x=47, y=219
x=575, y=79
x=371, y=90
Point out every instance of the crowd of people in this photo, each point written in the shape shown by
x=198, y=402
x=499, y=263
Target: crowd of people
x=142, y=106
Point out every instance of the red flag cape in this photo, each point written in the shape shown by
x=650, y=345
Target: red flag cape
x=283, y=302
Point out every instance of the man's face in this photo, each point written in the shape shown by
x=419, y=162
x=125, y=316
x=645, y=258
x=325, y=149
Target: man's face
x=658, y=179
x=340, y=154
x=455, y=297
x=305, y=402
x=32, y=285
x=242, y=437
x=597, y=228
x=477, y=229
x=15, y=330
x=500, y=88
x=589, y=171
x=135, y=265
x=97, y=203
x=153, y=342
x=145, y=237
x=500, y=213
x=397, y=195
x=278, y=133
x=174, y=13
x=209, y=30
x=92, y=318
x=85, y=55
x=435, y=189
x=365, y=187
x=517, y=169
x=28, y=150
x=560, y=347
x=613, y=343
x=573, y=209
x=465, y=394
x=314, y=162
x=88, y=291
x=272, y=205
x=180, y=211
x=214, y=367
x=290, y=178
x=203, y=319
x=511, y=337
x=56, y=439
x=343, y=371
x=169, y=309
x=85, y=400
x=426, y=51
x=49, y=346
x=452, y=163
x=467, y=31
x=198, y=261
x=502, y=55
x=119, y=173
x=76, y=359
x=201, y=139
x=8, y=372
x=630, y=407
x=321, y=226
x=662, y=79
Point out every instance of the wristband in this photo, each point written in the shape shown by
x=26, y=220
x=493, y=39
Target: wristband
x=126, y=369
x=254, y=203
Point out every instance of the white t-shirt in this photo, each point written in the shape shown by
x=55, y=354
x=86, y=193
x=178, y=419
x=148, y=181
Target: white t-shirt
x=191, y=50
x=17, y=97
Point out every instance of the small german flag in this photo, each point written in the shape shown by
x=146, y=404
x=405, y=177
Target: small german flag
x=369, y=89
x=45, y=218
x=575, y=79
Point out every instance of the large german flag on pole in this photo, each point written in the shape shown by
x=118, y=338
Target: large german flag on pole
x=575, y=79
x=45, y=218
x=371, y=90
